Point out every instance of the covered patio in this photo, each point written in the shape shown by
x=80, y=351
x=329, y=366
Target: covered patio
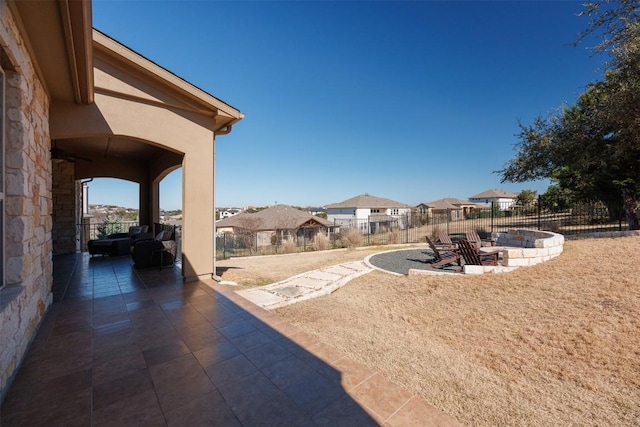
x=75, y=104
x=143, y=123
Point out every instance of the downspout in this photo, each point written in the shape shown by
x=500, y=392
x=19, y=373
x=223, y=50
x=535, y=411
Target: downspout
x=85, y=196
x=226, y=130
x=85, y=221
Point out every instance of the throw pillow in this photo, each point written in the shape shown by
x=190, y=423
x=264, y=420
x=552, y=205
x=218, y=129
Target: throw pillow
x=168, y=235
x=135, y=230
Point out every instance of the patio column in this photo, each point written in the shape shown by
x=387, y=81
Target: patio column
x=145, y=201
x=198, y=212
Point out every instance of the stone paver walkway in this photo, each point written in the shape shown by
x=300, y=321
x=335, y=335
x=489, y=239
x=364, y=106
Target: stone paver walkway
x=305, y=286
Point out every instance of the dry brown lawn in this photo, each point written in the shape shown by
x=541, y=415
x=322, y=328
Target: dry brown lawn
x=555, y=344
x=262, y=270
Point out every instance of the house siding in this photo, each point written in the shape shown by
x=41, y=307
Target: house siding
x=504, y=203
x=28, y=262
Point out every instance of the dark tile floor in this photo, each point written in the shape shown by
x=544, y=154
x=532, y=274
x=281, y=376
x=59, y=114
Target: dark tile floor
x=126, y=347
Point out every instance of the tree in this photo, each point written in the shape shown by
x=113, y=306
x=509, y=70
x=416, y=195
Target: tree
x=593, y=147
x=110, y=225
x=527, y=198
x=556, y=199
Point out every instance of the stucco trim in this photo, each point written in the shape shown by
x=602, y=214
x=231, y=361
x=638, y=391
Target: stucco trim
x=207, y=102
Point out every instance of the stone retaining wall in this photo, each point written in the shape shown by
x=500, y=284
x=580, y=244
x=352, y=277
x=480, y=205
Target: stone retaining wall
x=522, y=248
x=530, y=247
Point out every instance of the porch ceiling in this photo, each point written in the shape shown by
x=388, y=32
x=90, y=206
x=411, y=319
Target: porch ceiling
x=58, y=34
x=95, y=149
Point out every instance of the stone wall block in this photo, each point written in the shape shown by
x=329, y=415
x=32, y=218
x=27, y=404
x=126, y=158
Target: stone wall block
x=13, y=271
x=15, y=184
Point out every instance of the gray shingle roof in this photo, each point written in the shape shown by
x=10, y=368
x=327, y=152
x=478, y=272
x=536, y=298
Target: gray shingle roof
x=367, y=201
x=278, y=217
x=494, y=193
x=443, y=204
x=449, y=203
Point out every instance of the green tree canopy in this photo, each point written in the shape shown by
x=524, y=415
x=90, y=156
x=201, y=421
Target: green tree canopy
x=592, y=148
x=527, y=198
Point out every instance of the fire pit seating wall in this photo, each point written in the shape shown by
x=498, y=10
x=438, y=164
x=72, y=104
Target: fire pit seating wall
x=528, y=247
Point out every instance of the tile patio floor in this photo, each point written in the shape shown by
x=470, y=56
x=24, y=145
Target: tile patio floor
x=125, y=347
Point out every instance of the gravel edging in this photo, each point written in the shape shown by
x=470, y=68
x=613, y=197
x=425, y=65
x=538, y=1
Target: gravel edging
x=400, y=261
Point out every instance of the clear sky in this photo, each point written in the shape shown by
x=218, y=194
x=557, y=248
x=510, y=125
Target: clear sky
x=412, y=101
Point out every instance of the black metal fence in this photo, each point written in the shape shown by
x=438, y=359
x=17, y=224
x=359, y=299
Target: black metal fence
x=586, y=217
x=102, y=230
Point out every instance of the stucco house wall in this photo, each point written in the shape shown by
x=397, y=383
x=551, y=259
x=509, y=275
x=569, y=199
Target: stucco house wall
x=504, y=203
x=503, y=199
x=28, y=201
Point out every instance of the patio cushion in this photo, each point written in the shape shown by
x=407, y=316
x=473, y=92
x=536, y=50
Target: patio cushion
x=113, y=247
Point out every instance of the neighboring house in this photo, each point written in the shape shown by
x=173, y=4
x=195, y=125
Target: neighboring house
x=370, y=214
x=448, y=208
x=505, y=200
x=76, y=104
x=275, y=224
x=226, y=213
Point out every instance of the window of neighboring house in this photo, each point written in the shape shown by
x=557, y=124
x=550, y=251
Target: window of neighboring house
x=2, y=113
x=394, y=211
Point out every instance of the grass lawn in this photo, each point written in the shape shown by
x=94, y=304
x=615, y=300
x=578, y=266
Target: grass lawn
x=553, y=344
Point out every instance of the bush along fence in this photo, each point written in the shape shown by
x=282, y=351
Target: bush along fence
x=542, y=214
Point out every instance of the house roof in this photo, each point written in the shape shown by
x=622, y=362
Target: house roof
x=444, y=204
x=449, y=203
x=494, y=194
x=367, y=201
x=278, y=217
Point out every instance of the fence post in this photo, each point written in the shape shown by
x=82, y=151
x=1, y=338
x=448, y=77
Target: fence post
x=620, y=223
x=492, y=215
x=539, y=213
x=406, y=228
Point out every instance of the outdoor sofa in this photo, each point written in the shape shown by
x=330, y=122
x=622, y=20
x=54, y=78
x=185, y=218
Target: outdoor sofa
x=119, y=243
x=158, y=251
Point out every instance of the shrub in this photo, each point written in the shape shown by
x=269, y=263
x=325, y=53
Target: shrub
x=435, y=234
x=110, y=225
x=320, y=242
x=289, y=246
x=351, y=238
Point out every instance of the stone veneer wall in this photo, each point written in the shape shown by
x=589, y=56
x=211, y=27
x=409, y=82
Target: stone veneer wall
x=28, y=203
x=64, y=193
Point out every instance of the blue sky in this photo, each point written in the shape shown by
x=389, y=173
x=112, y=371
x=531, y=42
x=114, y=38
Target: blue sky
x=412, y=101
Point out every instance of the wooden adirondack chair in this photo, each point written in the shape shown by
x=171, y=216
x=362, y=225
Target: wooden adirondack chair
x=444, y=241
x=441, y=256
x=474, y=238
x=473, y=256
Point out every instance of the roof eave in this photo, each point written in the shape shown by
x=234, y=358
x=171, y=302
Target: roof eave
x=59, y=29
x=152, y=70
